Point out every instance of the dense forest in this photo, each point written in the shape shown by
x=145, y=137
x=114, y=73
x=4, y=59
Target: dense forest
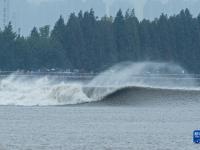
x=89, y=43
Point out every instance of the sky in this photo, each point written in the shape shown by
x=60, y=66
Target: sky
x=25, y=14
x=138, y=3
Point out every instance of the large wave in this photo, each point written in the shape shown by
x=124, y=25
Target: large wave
x=46, y=90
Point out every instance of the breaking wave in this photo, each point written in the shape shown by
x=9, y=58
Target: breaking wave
x=46, y=90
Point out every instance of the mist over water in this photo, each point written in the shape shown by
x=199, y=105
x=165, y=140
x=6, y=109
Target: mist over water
x=43, y=91
x=145, y=74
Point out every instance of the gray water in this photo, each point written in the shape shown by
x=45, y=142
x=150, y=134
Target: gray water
x=99, y=128
x=124, y=111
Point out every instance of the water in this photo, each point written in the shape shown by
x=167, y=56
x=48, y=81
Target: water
x=131, y=106
x=100, y=128
x=48, y=90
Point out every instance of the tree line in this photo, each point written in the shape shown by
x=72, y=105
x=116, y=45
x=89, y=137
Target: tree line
x=88, y=43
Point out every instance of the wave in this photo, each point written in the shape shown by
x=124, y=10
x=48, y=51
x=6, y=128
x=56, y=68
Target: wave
x=42, y=91
x=45, y=91
x=124, y=83
x=139, y=96
x=133, y=95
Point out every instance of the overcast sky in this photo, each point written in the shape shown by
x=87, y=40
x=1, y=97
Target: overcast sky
x=26, y=14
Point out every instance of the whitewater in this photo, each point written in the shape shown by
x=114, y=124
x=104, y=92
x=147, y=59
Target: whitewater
x=50, y=91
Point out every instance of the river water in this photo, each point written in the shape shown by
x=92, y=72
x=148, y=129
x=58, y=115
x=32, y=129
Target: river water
x=98, y=127
x=130, y=109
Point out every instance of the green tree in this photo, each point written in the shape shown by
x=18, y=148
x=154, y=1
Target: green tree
x=132, y=36
x=75, y=42
x=7, y=61
x=120, y=35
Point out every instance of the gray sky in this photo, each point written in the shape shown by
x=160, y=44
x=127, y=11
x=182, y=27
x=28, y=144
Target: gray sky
x=26, y=14
x=137, y=3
